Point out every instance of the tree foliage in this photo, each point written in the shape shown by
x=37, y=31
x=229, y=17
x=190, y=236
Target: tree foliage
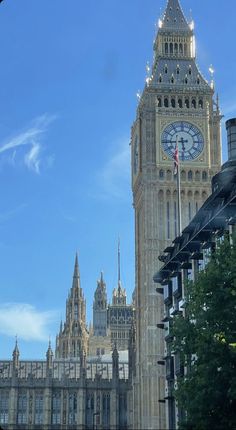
x=205, y=339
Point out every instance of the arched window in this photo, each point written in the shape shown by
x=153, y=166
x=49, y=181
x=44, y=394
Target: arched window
x=190, y=176
x=180, y=103
x=173, y=103
x=166, y=48
x=185, y=49
x=166, y=102
x=186, y=79
x=204, y=176
x=166, y=69
x=200, y=104
x=161, y=174
x=181, y=48
x=171, y=48
x=160, y=78
x=187, y=103
x=172, y=79
x=169, y=175
x=197, y=176
x=193, y=103
x=190, y=70
x=183, y=175
x=177, y=70
x=159, y=102
x=198, y=80
x=176, y=48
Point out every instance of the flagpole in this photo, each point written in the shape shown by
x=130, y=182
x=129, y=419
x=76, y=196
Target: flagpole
x=179, y=192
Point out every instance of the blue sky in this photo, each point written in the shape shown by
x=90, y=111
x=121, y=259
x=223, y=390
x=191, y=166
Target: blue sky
x=69, y=74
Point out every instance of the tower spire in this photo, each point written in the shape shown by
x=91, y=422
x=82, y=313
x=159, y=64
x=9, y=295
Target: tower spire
x=174, y=18
x=76, y=276
x=119, y=282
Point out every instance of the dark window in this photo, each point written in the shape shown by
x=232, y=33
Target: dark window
x=180, y=103
x=200, y=104
x=166, y=103
x=190, y=175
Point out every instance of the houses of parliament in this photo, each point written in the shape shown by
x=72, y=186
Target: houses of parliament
x=107, y=377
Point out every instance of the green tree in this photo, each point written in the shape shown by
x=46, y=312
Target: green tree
x=205, y=339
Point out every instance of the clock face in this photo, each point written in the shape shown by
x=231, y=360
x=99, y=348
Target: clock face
x=189, y=137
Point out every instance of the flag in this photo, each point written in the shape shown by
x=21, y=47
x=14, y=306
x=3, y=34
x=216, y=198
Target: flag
x=176, y=158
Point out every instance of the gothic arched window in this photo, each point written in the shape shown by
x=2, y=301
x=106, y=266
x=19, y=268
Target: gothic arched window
x=200, y=104
x=197, y=176
x=193, y=103
x=183, y=175
x=171, y=48
x=187, y=103
x=181, y=48
x=166, y=102
x=173, y=103
x=180, y=103
x=161, y=174
x=204, y=176
x=159, y=102
x=176, y=48
x=190, y=175
x=166, y=48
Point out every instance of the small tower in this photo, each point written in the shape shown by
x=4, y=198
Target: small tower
x=120, y=314
x=100, y=309
x=15, y=357
x=73, y=337
x=49, y=356
x=119, y=294
x=115, y=363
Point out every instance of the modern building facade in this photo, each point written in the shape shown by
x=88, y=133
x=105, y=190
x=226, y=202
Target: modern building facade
x=177, y=105
x=188, y=255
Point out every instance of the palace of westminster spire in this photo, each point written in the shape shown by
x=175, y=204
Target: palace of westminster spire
x=111, y=322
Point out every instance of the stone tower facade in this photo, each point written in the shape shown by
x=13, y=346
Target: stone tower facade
x=177, y=105
x=100, y=309
x=72, y=340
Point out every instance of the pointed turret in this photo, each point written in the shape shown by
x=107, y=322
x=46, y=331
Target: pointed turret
x=49, y=356
x=174, y=18
x=100, y=308
x=73, y=335
x=15, y=356
x=119, y=293
x=76, y=276
x=115, y=363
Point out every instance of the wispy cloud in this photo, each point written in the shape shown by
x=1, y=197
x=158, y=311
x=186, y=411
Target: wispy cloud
x=5, y=216
x=114, y=177
x=30, y=139
x=25, y=321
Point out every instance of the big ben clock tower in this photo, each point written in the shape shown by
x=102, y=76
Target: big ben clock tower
x=177, y=105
